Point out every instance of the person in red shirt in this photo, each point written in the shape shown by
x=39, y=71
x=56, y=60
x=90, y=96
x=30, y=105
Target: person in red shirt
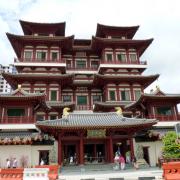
x=122, y=162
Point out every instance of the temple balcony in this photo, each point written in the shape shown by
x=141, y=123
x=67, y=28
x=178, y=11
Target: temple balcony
x=82, y=70
x=83, y=107
x=117, y=64
x=163, y=117
x=17, y=120
x=39, y=62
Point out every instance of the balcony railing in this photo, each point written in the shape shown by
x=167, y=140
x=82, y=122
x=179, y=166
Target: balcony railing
x=17, y=120
x=35, y=60
x=163, y=117
x=82, y=68
x=83, y=107
x=118, y=62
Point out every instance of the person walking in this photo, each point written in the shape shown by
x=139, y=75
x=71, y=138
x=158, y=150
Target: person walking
x=122, y=162
x=8, y=163
x=14, y=164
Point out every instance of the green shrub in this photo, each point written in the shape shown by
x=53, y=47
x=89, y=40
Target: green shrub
x=171, y=148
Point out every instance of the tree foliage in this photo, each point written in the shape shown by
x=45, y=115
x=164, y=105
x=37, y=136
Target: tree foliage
x=171, y=147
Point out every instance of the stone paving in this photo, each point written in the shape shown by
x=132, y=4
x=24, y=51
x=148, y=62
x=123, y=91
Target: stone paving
x=106, y=172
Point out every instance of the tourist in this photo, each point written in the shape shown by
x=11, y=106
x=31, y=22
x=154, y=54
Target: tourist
x=8, y=163
x=71, y=160
x=42, y=162
x=128, y=157
x=14, y=164
x=122, y=162
x=116, y=161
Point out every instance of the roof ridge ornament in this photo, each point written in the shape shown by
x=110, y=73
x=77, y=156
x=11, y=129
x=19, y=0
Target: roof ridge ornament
x=65, y=112
x=119, y=111
x=19, y=86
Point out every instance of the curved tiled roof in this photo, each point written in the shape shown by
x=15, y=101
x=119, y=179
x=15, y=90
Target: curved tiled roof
x=150, y=97
x=34, y=27
x=139, y=45
x=144, y=80
x=18, y=41
x=95, y=120
x=129, y=31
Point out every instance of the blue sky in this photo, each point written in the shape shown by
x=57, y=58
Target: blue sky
x=158, y=19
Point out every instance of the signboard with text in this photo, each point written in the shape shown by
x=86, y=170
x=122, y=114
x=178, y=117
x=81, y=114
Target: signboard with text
x=99, y=133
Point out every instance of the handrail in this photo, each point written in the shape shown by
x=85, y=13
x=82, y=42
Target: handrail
x=163, y=117
x=118, y=62
x=17, y=119
x=35, y=60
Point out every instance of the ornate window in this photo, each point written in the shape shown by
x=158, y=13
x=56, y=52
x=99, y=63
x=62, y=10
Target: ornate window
x=41, y=55
x=109, y=57
x=16, y=112
x=125, y=95
x=112, y=95
x=137, y=94
x=67, y=98
x=53, y=95
x=80, y=64
x=133, y=57
x=54, y=56
x=27, y=55
x=96, y=98
x=166, y=110
x=121, y=57
x=81, y=100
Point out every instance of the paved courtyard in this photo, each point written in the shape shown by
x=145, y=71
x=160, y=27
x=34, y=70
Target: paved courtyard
x=106, y=172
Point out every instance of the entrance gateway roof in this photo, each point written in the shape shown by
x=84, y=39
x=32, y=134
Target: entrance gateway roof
x=95, y=120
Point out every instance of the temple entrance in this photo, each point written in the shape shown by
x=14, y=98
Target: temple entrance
x=121, y=147
x=69, y=154
x=94, y=153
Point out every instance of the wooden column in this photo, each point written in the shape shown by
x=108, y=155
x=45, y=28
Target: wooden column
x=117, y=92
x=89, y=97
x=81, y=150
x=59, y=149
x=111, y=155
x=131, y=148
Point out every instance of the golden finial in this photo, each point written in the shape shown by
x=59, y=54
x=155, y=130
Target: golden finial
x=65, y=112
x=19, y=86
x=118, y=111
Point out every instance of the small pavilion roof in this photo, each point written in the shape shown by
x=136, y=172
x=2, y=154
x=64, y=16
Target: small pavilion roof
x=95, y=120
x=29, y=28
x=15, y=79
x=104, y=30
x=20, y=94
x=143, y=80
x=18, y=41
x=139, y=45
x=154, y=97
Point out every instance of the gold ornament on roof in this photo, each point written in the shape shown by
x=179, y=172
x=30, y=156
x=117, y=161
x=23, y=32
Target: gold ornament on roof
x=65, y=112
x=119, y=111
x=19, y=86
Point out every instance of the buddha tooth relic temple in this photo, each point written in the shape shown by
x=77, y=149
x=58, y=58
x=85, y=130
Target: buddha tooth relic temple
x=79, y=101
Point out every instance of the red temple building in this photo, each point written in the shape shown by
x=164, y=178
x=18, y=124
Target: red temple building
x=85, y=96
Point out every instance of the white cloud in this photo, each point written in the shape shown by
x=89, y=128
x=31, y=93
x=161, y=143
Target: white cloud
x=157, y=19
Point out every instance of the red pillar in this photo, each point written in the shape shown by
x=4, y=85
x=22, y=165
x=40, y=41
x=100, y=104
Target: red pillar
x=111, y=155
x=59, y=150
x=131, y=148
x=81, y=150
